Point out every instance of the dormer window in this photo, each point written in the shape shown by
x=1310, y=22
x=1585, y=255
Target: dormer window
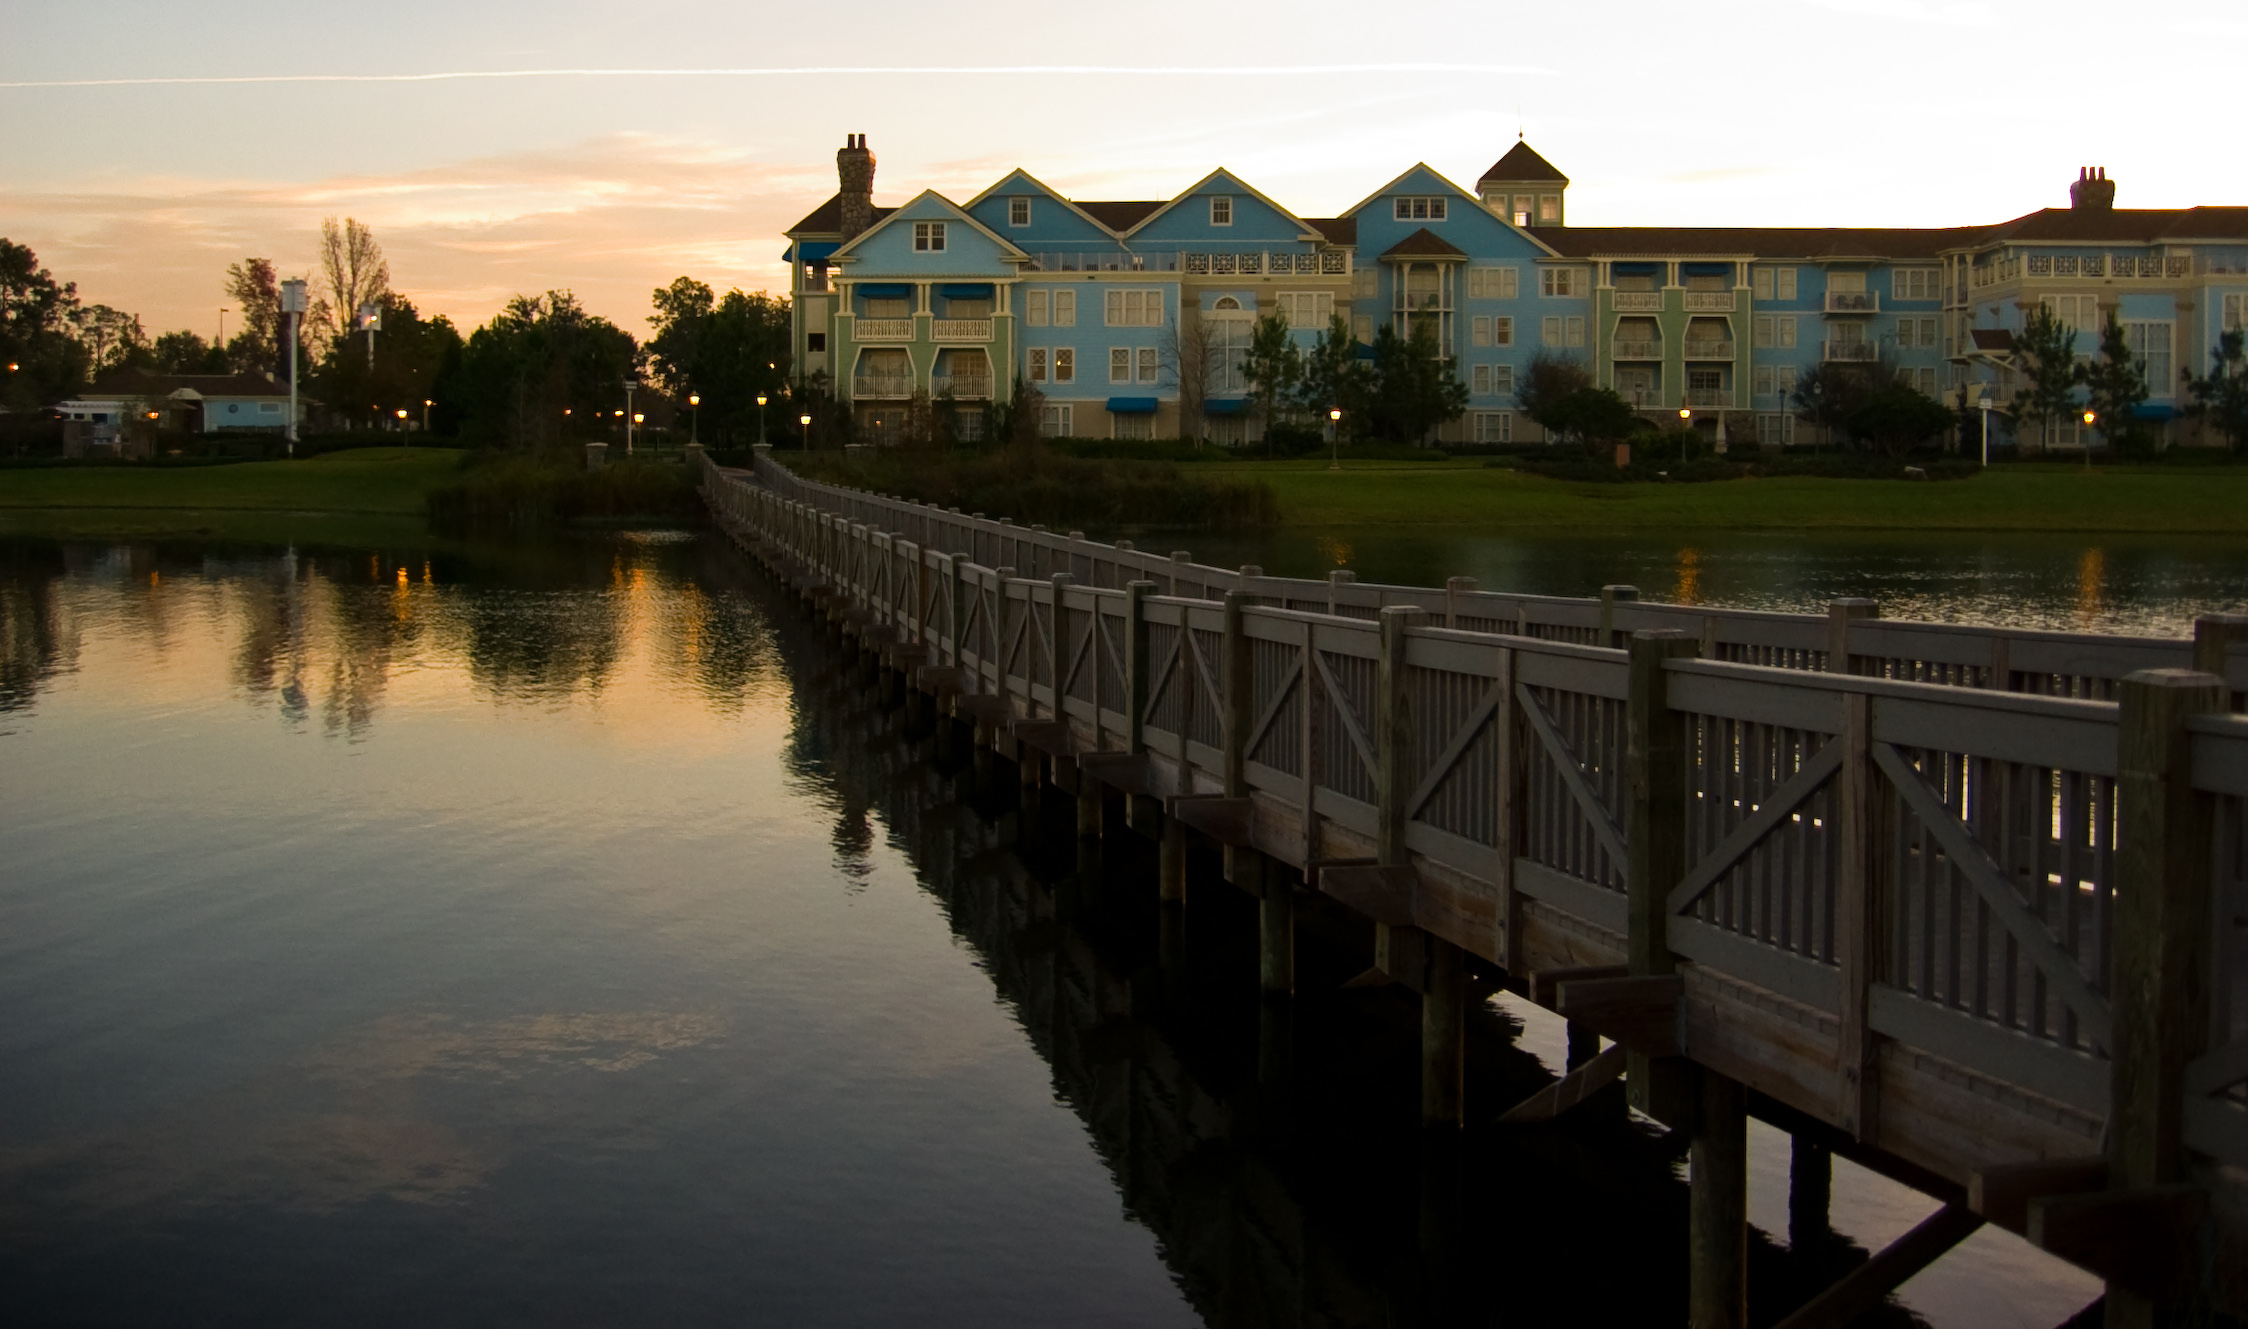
x=1221, y=211
x=1418, y=209
x=1018, y=212
x=928, y=237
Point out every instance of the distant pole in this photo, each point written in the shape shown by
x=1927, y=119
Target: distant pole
x=1986, y=433
x=694, y=425
x=1334, y=438
x=806, y=421
x=760, y=417
x=292, y=309
x=629, y=385
x=222, y=327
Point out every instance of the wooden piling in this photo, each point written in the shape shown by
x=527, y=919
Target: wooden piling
x=1655, y=837
x=1810, y=1194
x=1717, y=1207
x=1610, y=597
x=1276, y=934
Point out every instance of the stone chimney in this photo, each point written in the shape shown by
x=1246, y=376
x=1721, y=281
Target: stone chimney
x=854, y=170
x=2093, y=191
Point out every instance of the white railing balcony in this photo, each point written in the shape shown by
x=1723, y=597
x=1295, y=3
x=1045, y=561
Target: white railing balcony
x=1708, y=398
x=1852, y=352
x=1709, y=302
x=961, y=329
x=864, y=386
x=1641, y=300
x=1853, y=302
x=883, y=329
x=1639, y=350
x=1709, y=350
x=1421, y=304
x=1641, y=397
x=977, y=386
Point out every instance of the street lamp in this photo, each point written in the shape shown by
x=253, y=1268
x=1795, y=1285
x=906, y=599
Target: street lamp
x=2089, y=417
x=426, y=404
x=1334, y=438
x=806, y=421
x=694, y=424
x=293, y=306
x=760, y=417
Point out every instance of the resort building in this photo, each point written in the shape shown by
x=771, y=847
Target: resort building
x=1093, y=302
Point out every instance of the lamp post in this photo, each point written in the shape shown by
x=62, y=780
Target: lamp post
x=402, y=413
x=370, y=318
x=694, y=421
x=760, y=417
x=2089, y=418
x=292, y=310
x=806, y=421
x=426, y=404
x=1334, y=438
x=222, y=327
x=629, y=385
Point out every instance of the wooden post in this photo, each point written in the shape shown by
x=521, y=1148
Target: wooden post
x=1860, y=917
x=1454, y=588
x=1135, y=665
x=1443, y=1035
x=1717, y=1207
x=2214, y=635
x=1276, y=933
x=1234, y=687
x=1337, y=578
x=1171, y=861
x=1394, y=772
x=1610, y=596
x=1840, y=615
x=956, y=627
x=1057, y=643
x=1655, y=841
x=1810, y=1194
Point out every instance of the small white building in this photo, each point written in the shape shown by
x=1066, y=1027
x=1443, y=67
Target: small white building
x=101, y=420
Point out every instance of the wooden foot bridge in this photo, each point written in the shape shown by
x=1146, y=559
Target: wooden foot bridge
x=1970, y=903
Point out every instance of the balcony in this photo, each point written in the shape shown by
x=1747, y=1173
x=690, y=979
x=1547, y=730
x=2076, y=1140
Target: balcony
x=962, y=386
x=1643, y=301
x=883, y=329
x=1641, y=397
x=1853, y=302
x=1422, y=302
x=1709, y=350
x=1851, y=352
x=1711, y=399
x=1639, y=350
x=1709, y=302
x=872, y=386
x=959, y=329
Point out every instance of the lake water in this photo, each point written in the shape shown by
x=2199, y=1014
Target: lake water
x=549, y=935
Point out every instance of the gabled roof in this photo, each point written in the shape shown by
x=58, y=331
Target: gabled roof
x=146, y=383
x=1120, y=217
x=1190, y=192
x=1338, y=230
x=2143, y=225
x=1007, y=248
x=1521, y=163
x=1354, y=209
x=827, y=218
x=1424, y=243
x=1085, y=210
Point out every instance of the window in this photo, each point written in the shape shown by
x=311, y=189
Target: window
x=1775, y=431
x=1362, y=329
x=1761, y=381
x=1065, y=365
x=1561, y=281
x=815, y=342
x=1418, y=209
x=1916, y=333
x=1058, y=421
x=1036, y=360
x=1225, y=304
x=1221, y=211
x=1035, y=305
x=2094, y=264
x=1502, y=329
x=1502, y=380
x=888, y=306
x=2077, y=311
x=968, y=424
x=1018, y=212
x=1065, y=309
x=1774, y=330
x=1229, y=354
x=2127, y=265
x=1148, y=364
x=1494, y=426
x=1921, y=380
x=2236, y=306
x=1772, y=283
x=1917, y=284
x=1120, y=364
x=1479, y=380
x=1365, y=283
x=1307, y=309
x=1479, y=330
x=1137, y=424
x=1563, y=332
x=269, y=408
x=1549, y=209
x=928, y=237
x=1134, y=309
x=2150, y=343
x=1492, y=284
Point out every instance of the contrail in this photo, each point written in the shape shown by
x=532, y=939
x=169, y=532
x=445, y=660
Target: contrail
x=782, y=71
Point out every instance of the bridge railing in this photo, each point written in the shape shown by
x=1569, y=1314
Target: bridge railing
x=1851, y=638
x=1906, y=908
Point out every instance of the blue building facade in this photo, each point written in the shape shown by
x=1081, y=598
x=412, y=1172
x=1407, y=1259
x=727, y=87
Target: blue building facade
x=1108, y=307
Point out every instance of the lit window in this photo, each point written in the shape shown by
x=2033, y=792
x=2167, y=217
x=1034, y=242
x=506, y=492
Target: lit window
x=1065, y=365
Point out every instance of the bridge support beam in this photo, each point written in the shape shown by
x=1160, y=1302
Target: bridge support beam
x=1276, y=931
x=1717, y=1208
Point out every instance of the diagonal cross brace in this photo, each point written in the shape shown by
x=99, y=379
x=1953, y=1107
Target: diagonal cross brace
x=1573, y=776
x=1776, y=808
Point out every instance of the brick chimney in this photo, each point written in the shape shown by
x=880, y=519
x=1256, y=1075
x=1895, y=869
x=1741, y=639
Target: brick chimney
x=2093, y=191
x=854, y=170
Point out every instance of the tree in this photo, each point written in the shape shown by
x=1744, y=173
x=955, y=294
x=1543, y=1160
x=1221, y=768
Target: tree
x=1272, y=366
x=1332, y=376
x=352, y=273
x=1599, y=416
x=2220, y=399
x=415, y=360
x=113, y=338
x=1015, y=421
x=1893, y=417
x=2115, y=382
x=35, y=333
x=1829, y=394
x=1547, y=382
x=541, y=370
x=1190, y=357
x=256, y=291
x=186, y=352
x=726, y=350
x=1413, y=388
x=2045, y=356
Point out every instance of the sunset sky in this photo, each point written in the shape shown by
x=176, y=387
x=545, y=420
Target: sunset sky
x=610, y=148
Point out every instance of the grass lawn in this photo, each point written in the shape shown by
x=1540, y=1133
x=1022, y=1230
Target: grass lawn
x=341, y=495
x=2015, y=497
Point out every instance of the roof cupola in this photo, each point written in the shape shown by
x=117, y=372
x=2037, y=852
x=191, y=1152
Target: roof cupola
x=1524, y=188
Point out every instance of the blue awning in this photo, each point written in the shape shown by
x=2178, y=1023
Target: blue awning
x=809, y=251
x=2147, y=410
x=885, y=290
x=1131, y=406
x=980, y=290
x=1226, y=406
